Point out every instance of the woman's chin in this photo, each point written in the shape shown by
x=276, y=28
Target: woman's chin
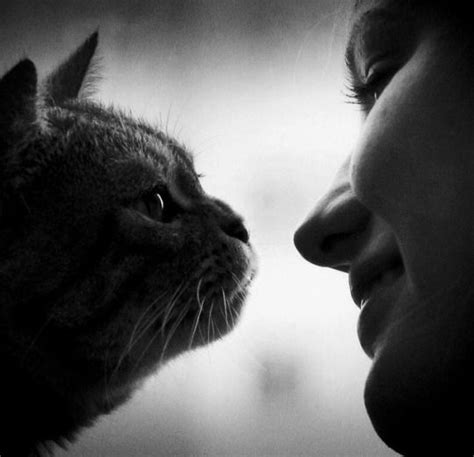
x=420, y=405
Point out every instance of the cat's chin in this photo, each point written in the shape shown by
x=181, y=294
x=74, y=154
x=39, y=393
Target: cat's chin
x=215, y=310
x=205, y=323
x=197, y=321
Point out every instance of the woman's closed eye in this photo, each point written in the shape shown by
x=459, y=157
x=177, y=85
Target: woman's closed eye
x=366, y=92
x=380, y=44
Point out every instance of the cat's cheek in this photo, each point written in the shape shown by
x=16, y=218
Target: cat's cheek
x=141, y=232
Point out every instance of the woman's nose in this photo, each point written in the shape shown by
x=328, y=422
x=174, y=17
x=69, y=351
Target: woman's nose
x=334, y=231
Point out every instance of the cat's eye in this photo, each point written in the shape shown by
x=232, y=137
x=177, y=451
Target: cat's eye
x=151, y=205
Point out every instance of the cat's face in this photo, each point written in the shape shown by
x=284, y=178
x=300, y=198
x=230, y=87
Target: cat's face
x=114, y=259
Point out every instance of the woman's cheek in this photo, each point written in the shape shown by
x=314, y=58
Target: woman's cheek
x=408, y=169
x=397, y=162
x=387, y=163
x=379, y=176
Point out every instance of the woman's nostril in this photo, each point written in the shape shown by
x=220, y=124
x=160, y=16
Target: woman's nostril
x=236, y=229
x=327, y=248
x=332, y=234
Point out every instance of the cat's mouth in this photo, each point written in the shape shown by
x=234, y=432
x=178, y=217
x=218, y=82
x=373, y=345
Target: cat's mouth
x=203, y=312
x=194, y=316
x=203, y=308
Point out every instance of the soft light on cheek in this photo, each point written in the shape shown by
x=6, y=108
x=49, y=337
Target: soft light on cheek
x=387, y=169
x=386, y=159
x=375, y=168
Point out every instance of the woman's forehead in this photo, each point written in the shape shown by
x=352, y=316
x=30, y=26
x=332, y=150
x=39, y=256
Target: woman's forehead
x=365, y=10
x=367, y=4
x=364, y=6
x=370, y=14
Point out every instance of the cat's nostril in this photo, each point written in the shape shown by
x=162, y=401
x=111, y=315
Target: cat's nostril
x=236, y=229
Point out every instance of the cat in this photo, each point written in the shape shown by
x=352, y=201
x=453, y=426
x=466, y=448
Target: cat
x=113, y=259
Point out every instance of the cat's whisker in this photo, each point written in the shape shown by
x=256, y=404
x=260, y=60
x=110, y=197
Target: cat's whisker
x=164, y=310
x=135, y=334
x=23, y=200
x=140, y=319
x=200, y=334
x=235, y=278
x=240, y=283
x=196, y=323
x=209, y=319
x=171, y=306
x=145, y=350
x=213, y=326
x=132, y=342
x=233, y=315
x=36, y=337
x=180, y=318
x=107, y=378
x=213, y=330
x=219, y=332
x=236, y=314
x=198, y=298
x=168, y=119
x=150, y=322
x=240, y=287
x=225, y=303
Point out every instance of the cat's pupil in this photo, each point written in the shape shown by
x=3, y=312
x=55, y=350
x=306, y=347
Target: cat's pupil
x=151, y=205
x=155, y=206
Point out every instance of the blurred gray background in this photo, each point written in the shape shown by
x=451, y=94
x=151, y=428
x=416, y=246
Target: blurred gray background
x=255, y=90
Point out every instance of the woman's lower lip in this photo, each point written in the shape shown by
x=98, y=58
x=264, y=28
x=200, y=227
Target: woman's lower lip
x=375, y=310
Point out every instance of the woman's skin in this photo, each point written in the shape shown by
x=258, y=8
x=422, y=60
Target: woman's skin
x=399, y=218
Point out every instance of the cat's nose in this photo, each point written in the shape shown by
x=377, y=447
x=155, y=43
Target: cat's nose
x=236, y=229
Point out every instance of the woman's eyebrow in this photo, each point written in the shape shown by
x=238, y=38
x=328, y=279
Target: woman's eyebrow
x=373, y=19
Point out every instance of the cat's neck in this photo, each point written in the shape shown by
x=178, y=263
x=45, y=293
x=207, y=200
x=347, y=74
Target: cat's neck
x=35, y=416
x=32, y=414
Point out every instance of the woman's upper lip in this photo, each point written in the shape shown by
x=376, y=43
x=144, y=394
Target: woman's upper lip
x=365, y=273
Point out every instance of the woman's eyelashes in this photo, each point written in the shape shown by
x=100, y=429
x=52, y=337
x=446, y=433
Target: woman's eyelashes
x=365, y=92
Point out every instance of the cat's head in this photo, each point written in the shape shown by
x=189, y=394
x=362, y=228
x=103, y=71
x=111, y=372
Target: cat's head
x=112, y=256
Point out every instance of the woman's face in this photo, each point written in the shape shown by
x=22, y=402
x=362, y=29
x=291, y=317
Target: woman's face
x=399, y=218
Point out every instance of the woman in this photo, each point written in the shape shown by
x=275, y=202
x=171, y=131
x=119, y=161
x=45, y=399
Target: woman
x=399, y=218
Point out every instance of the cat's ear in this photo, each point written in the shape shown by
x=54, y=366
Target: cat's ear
x=18, y=99
x=72, y=75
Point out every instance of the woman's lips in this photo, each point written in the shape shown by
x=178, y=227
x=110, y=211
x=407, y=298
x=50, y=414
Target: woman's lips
x=376, y=305
x=383, y=280
x=375, y=288
x=367, y=275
